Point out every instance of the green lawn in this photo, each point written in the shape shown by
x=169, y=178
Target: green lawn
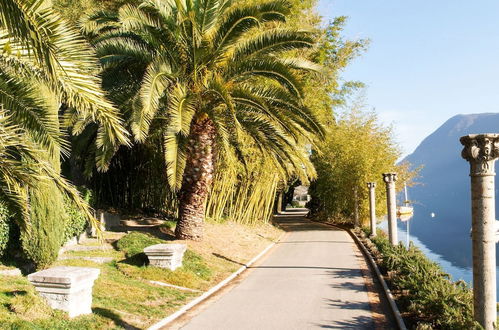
x=123, y=297
x=118, y=301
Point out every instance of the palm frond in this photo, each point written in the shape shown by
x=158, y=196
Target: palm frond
x=180, y=109
x=28, y=110
x=175, y=157
x=240, y=19
x=272, y=41
x=267, y=68
x=157, y=79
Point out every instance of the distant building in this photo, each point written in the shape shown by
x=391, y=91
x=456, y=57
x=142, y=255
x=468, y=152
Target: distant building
x=301, y=196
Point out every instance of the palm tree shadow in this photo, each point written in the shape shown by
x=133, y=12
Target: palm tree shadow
x=227, y=259
x=358, y=323
x=115, y=317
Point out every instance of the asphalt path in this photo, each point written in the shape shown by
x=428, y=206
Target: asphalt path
x=310, y=280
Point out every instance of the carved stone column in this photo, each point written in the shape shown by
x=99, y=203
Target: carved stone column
x=372, y=206
x=481, y=151
x=391, y=205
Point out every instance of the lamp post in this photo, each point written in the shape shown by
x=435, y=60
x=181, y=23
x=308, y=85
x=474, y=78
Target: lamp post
x=372, y=206
x=481, y=151
x=391, y=205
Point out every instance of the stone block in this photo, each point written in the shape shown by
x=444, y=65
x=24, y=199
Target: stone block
x=166, y=255
x=66, y=288
x=107, y=221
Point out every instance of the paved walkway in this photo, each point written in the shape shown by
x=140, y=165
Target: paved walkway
x=310, y=280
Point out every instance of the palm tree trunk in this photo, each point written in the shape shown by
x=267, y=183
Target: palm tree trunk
x=197, y=180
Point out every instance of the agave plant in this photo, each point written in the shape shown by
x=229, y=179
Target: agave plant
x=209, y=77
x=45, y=67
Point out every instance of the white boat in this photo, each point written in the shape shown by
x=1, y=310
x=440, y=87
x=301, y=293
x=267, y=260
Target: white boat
x=405, y=212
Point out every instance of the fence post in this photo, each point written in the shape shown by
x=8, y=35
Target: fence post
x=372, y=206
x=391, y=205
x=481, y=151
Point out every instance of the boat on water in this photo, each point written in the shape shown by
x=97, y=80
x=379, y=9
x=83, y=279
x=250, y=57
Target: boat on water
x=405, y=212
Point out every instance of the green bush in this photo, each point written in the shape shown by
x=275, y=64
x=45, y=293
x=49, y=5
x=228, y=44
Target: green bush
x=425, y=291
x=76, y=221
x=134, y=243
x=43, y=236
x=5, y=219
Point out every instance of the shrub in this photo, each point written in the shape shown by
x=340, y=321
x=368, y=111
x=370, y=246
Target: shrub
x=426, y=293
x=76, y=221
x=134, y=243
x=43, y=235
x=5, y=219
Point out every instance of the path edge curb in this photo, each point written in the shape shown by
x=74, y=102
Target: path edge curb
x=386, y=290
x=388, y=293
x=214, y=289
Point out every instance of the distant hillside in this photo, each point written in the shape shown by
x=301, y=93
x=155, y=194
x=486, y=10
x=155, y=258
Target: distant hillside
x=444, y=187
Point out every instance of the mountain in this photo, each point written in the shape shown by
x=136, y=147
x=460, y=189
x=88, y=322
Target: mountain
x=444, y=187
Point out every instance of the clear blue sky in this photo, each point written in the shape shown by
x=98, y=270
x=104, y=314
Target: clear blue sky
x=428, y=60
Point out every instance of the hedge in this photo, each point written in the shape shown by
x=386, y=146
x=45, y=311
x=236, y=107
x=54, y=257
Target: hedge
x=426, y=295
x=5, y=219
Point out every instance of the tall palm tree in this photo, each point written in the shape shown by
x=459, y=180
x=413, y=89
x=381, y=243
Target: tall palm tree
x=208, y=76
x=46, y=67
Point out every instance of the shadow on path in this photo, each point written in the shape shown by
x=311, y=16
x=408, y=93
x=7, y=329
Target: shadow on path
x=355, y=305
x=358, y=322
x=293, y=220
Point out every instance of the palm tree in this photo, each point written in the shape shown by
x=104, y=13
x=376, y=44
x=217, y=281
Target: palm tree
x=209, y=77
x=45, y=67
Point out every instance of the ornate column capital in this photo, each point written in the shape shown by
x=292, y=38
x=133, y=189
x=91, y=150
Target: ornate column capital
x=481, y=151
x=389, y=177
x=371, y=185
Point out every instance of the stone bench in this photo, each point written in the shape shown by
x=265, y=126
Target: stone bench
x=66, y=288
x=166, y=255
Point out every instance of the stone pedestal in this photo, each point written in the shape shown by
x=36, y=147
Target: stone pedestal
x=481, y=151
x=391, y=206
x=165, y=255
x=66, y=288
x=372, y=207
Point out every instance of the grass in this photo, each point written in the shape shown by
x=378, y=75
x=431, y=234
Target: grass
x=134, y=243
x=96, y=253
x=123, y=297
x=170, y=224
x=21, y=308
x=119, y=301
x=194, y=274
x=6, y=267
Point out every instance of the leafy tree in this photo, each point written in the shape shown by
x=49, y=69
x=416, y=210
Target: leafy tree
x=357, y=149
x=73, y=10
x=208, y=77
x=45, y=64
